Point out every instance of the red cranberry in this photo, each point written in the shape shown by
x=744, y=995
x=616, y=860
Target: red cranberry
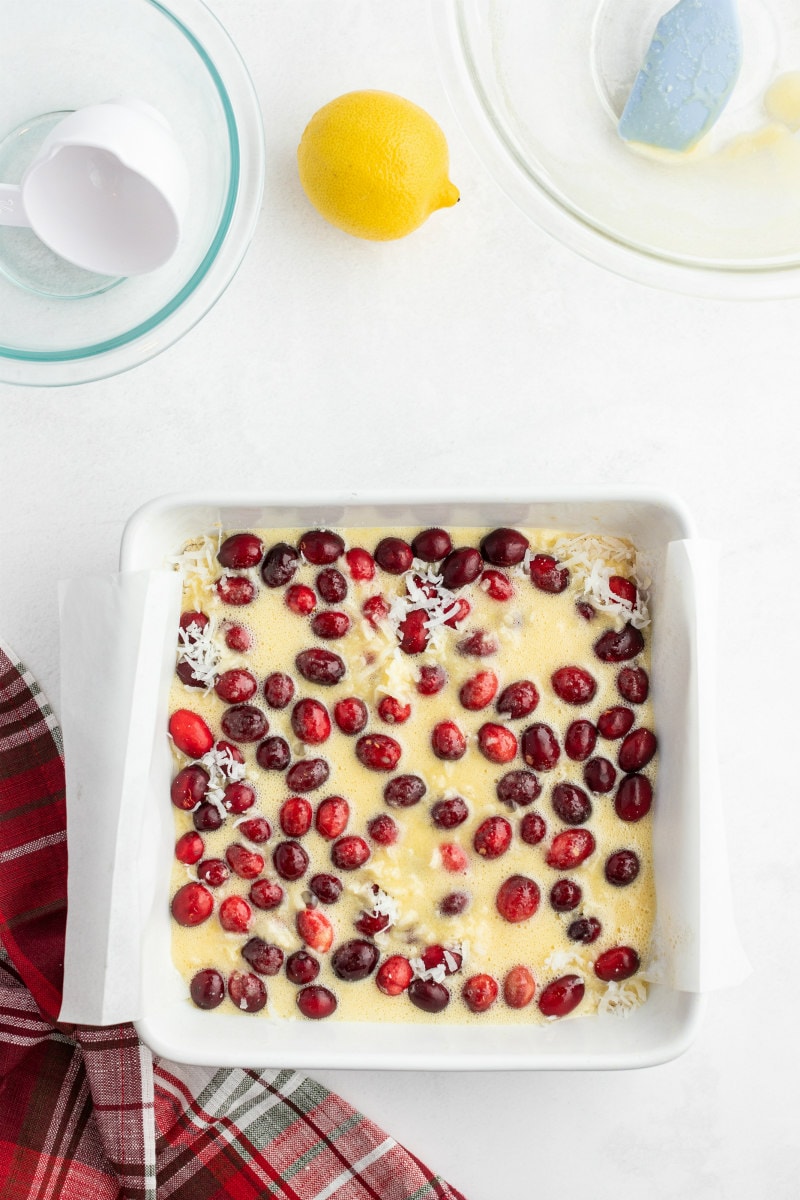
x=634, y=798
x=480, y=992
x=448, y=742
x=453, y=904
x=376, y=610
x=279, y=565
x=633, y=684
x=431, y=680
x=378, y=752
x=238, y=638
x=244, y=723
x=519, y=987
x=266, y=894
x=246, y=991
x=394, y=975
x=492, y=837
x=360, y=564
x=624, y=590
x=429, y=996
x=461, y=567
x=547, y=576
x=321, y=547
x=240, y=551
x=192, y=904
x=350, y=715
x=187, y=619
x=565, y=894
x=263, y=956
x=637, y=750
x=504, y=547
x=332, y=585
x=189, y=848
x=570, y=848
x=585, y=929
x=497, y=743
x=370, y=924
x=518, y=787
x=314, y=928
x=497, y=585
x=327, y=888
x=562, y=996
x=350, y=853
x=307, y=775
x=454, y=858
x=235, y=914
x=413, y=632
x=614, y=647
x=540, y=747
x=448, y=814
x=278, y=690
x=518, y=699
x=393, y=555
x=532, y=829
x=290, y=860
x=573, y=685
x=330, y=624
x=316, y=1002
x=190, y=733
x=332, y=816
x=463, y=609
x=571, y=804
x=273, y=754
x=616, y=964
x=236, y=590
x=518, y=899
x=295, y=816
x=392, y=711
x=213, y=872
x=478, y=691
x=615, y=722
x=599, y=775
x=207, y=817
x=622, y=867
x=187, y=676
x=585, y=610
x=300, y=599
x=354, y=960
x=236, y=686
x=228, y=750
x=580, y=740
x=311, y=722
x=189, y=787
x=207, y=988
x=432, y=545
x=404, y=791
x=243, y=862
x=320, y=666
x=256, y=830
x=383, y=830
x=301, y=967
x=478, y=645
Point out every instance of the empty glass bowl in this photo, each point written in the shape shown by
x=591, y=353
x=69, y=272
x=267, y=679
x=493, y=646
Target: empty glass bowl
x=60, y=324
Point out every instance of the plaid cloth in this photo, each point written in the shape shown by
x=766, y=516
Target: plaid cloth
x=88, y=1113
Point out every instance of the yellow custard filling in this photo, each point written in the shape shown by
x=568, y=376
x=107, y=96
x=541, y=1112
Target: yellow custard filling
x=537, y=633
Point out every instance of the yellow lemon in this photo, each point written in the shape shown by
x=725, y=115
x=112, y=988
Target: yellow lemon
x=375, y=165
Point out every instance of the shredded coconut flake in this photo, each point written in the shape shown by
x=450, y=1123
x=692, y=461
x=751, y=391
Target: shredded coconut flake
x=197, y=647
x=222, y=769
x=589, y=558
x=198, y=563
x=438, y=973
x=621, y=999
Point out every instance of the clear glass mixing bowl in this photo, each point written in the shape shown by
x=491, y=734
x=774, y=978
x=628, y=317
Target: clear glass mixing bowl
x=539, y=86
x=62, y=325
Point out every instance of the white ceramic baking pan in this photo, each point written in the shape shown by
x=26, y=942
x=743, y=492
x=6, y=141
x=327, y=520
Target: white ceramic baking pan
x=658, y=1031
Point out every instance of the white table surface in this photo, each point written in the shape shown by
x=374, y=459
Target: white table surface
x=476, y=352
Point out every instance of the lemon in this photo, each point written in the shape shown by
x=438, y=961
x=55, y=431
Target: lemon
x=375, y=165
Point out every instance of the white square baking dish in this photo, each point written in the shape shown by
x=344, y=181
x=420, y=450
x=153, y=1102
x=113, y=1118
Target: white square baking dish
x=661, y=1029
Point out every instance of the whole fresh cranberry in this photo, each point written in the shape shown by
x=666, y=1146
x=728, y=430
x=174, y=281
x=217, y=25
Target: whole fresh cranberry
x=432, y=545
x=454, y=858
x=448, y=742
x=497, y=743
x=207, y=988
x=320, y=666
x=290, y=860
x=453, y=904
x=519, y=987
x=262, y=956
x=562, y=996
x=585, y=610
x=236, y=686
x=624, y=590
x=295, y=816
x=236, y=590
x=518, y=699
x=622, y=868
x=247, y=864
x=547, y=576
x=447, y=814
x=383, y=830
x=238, y=797
x=235, y=915
x=634, y=798
x=316, y=1002
x=518, y=788
x=350, y=853
x=332, y=585
x=213, y=872
x=393, y=712
x=504, y=547
x=378, y=752
x=376, y=610
x=207, y=817
x=497, y=585
x=394, y=975
x=307, y=775
x=278, y=690
x=266, y=894
x=461, y=567
x=413, y=631
x=599, y=775
x=244, y=723
x=479, y=644
x=480, y=992
x=478, y=691
x=246, y=991
x=360, y=564
x=633, y=684
x=327, y=888
x=492, y=837
x=238, y=639
x=187, y=676
x=311, y=722
x=429, y=996
x=301, y=967
x=332, y=816
x=350, y=715
x=192, y=904
x=540, y=747
x=273, y=754
x=584, y=929
x=190, y=733
x=404, y=791
x=189, y=787
x=573, y=685
x=189, y=848
x=393, y=555
x=431, y=680
x=354, y=960
x=615, y=722
x=279, y=565
x=371, y=923
x=463, y=609
x=616, y=964
x=314, y=929
x=300, y=599
x=330, y=624
x=565, y=894
x=518, y=899
x=241, y=551
x=257, y=829
x=187, y=619
x=619, y=646
x=321, y=547
x=570, y=848
x=580, y=740
x=571, y=804
x=532, y=829
x=637, y=749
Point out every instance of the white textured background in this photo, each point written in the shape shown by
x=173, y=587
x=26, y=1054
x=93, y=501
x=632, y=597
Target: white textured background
x=478, y=351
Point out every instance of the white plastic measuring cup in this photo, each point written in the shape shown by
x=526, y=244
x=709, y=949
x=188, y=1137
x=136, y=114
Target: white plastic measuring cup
x=107, y=190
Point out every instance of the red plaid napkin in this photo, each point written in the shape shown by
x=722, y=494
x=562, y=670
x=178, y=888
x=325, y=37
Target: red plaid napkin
x=89, y=1113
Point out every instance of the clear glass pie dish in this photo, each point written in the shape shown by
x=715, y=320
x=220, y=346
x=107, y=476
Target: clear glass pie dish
x=61, y=324
x=539, y=89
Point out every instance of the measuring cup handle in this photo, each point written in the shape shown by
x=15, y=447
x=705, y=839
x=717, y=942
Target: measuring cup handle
x=12, y=211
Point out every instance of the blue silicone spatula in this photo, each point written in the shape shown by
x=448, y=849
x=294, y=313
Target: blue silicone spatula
x=688, y=75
